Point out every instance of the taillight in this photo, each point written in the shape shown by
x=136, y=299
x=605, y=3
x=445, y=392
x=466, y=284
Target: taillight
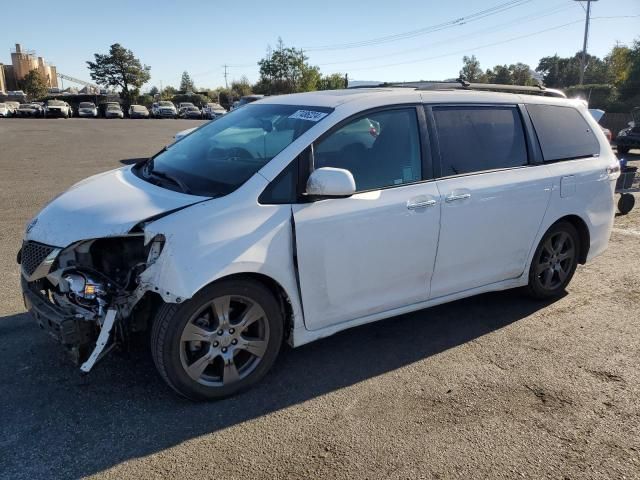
x=613, y=170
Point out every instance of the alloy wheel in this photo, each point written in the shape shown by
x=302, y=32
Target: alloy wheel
x=555, y=261
x=224, y=341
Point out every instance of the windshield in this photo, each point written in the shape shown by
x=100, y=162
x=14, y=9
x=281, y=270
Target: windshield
x=26, y=106
x=220, y=156
x=165, y=104
x=55, y=103
x=87, y=105
x=138, y=108
x=113, y=107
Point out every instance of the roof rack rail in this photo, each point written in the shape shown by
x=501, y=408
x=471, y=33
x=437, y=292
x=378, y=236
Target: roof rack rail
x=462, y=84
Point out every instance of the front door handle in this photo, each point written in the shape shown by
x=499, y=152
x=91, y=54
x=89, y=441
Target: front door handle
x=460, y=196
x=414, y=205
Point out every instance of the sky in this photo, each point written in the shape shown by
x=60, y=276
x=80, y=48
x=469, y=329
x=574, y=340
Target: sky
x=399, y=40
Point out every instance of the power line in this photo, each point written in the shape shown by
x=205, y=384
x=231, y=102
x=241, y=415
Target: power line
x=469, y=50
x=459, y=38
x=422, y=31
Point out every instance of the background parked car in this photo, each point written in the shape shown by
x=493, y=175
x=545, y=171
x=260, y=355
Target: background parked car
x=12, y=106
x=246, y=99
x=40, y=107
x=102, y=108
x=4, y=110
x=212, y=111
x=192, y=112
x=138, y=111
x=114, y=111
x=180, y=135
x=182, y=106
x=629, y=137
x=57, y=108
x=28, y=110
x=87, y=109
x=164, y=109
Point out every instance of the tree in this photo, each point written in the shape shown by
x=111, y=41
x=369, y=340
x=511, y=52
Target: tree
x=310, y=78
x=120, y=68
x=562, y=72
x=334, y=81
x=34, y=85
x=500, y=74
x=549, y=67
x=521, y=74
x=285, y=70
x=630, y=87
x=168, y=93
x=153, y=91
x=471, y=70
x=186, y=83
x=240, y=88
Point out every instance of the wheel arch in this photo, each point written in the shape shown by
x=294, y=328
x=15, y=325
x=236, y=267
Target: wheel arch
x=583, y=232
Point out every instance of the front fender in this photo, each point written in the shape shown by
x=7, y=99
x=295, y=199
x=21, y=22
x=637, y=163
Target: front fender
x=221, y=237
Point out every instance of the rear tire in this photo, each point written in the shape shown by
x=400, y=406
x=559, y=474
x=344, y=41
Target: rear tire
x=220, y=342
x=554, y=261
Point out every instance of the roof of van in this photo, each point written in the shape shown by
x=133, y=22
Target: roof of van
x=335, y=98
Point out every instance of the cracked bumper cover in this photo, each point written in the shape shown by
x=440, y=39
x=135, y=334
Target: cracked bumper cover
x=66, y=328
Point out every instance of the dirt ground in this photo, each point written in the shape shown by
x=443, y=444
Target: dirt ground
x=496, y=386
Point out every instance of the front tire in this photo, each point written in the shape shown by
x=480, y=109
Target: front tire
x=220, y=342
x=554, y=262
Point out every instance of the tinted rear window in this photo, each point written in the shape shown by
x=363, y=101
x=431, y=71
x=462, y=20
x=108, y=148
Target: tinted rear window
x=474, y=139
x=563, y=133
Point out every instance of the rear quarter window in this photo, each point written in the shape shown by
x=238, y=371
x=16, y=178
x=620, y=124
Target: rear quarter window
x=563, y=133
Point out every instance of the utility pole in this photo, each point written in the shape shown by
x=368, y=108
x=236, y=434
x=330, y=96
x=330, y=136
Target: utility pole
x=583, y=60
x=226, y=85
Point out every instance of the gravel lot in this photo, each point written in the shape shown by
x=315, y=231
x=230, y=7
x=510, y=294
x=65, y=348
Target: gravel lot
x=497, y=386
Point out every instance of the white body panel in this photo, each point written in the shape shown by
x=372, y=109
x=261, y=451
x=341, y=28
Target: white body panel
x=359, y=259
x=107, y=204
x=487, y=237
x=221, y=237
x=365, y=254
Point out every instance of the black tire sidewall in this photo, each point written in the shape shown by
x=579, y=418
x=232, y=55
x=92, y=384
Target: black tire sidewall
x=534, y=287
x=626, y=203
x=170, y=324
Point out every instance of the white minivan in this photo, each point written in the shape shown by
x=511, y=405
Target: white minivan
x=298, y=216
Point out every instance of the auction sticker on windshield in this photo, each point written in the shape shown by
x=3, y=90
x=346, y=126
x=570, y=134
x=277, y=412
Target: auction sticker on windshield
x=308, y=115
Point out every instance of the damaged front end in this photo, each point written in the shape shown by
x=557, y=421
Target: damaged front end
x=89, y=295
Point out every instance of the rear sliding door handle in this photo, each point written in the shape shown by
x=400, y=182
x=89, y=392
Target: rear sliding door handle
x=461, y=196
x=420, y=204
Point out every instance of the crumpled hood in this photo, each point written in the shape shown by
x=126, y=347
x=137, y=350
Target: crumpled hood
x=107, y=204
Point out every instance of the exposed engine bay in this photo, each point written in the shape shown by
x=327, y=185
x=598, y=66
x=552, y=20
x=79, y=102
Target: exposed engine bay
x=89, y=295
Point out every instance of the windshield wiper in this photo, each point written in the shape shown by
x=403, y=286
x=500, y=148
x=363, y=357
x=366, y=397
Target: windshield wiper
x=171, y=178
x=150, y=172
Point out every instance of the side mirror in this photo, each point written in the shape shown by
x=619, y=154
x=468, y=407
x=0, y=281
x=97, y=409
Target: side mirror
x=329, y=182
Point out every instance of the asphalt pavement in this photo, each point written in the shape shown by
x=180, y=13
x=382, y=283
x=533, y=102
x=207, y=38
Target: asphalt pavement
x=495, y=386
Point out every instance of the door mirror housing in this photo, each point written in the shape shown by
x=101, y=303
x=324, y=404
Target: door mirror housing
x=329, y=182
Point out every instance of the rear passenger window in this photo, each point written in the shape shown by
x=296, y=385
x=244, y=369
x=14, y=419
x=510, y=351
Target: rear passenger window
x=562, y=132
x=474, y=139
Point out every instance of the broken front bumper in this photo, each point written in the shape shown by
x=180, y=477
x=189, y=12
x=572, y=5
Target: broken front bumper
x=76, y=334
